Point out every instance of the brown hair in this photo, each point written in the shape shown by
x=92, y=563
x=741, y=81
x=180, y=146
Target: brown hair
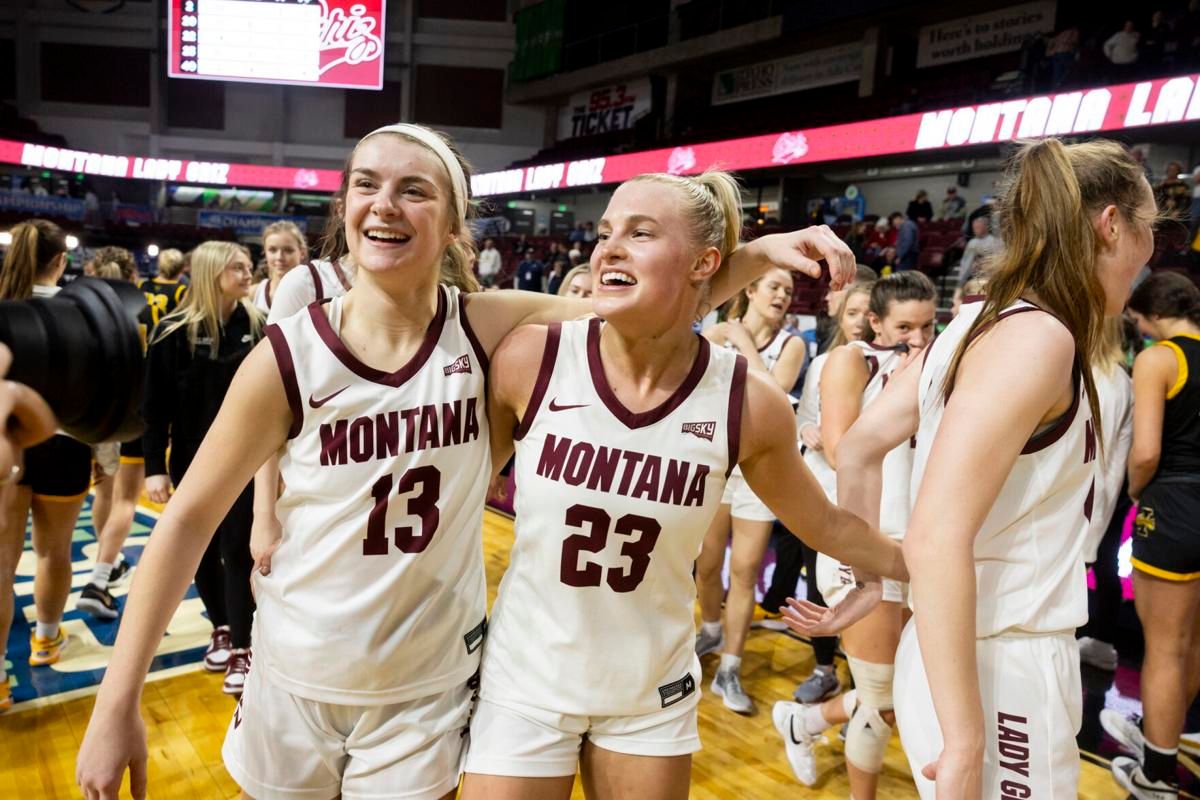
x=839, y=337
x=1050, y=245
x=900, y=287
x=1167, y=294
x=35, y=245
x=124, y=260
x=291, y=229
x=740, y=303
x=457, y=260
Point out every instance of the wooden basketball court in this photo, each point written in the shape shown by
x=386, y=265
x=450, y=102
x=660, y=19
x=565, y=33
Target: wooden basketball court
x=186, y=715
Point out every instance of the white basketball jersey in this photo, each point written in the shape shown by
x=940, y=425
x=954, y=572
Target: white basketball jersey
x=594, y=615
x=1029, y=571
x=770, y=356
x=376, y=593
x=815, y=459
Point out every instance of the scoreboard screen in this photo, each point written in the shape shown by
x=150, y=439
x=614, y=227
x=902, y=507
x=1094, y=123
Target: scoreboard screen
x=336, y=43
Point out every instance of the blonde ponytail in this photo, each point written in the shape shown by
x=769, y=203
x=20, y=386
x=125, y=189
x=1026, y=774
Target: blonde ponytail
x=35, y=245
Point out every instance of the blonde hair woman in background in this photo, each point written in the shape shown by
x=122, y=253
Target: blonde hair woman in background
x=284, y=249
x=577, y=283
x=194, y=353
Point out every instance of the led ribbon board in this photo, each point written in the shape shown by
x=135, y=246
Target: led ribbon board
x=336, y=43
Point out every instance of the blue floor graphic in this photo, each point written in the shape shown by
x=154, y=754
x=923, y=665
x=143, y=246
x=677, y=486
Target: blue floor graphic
x=91, y=640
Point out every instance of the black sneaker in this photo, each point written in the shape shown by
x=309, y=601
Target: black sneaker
x=98, y=602
x=120, y=572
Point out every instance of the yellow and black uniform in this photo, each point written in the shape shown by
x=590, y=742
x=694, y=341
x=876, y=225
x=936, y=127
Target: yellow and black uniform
x=1166, y=540
x=162, y=297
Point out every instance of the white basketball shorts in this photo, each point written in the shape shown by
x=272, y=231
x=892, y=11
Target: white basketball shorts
x=742, y=502
x=1032, y=709
x=835, y=580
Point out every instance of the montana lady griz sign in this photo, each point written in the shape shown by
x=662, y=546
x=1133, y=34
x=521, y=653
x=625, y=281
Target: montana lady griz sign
x=334, y=43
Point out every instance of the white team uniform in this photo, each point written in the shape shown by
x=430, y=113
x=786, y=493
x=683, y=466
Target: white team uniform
x=809, y=413
x=834, y=579
x=370, y=623
x=309, y=283
x=592, y=632
x=743, y=503
x=1032, y=595
x=1114, y=389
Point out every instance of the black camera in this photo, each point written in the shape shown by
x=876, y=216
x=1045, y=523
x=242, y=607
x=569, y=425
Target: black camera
x=82, y=351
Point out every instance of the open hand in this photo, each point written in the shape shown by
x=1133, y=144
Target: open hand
x=810, y=619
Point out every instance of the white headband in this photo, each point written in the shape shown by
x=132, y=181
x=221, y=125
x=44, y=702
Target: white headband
x=458, y=180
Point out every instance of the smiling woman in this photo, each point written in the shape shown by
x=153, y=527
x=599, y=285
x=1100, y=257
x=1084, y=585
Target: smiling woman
x=625, y=432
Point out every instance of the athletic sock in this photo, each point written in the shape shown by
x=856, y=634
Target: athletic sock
x=730, y=662
x=100, y=574
x=813, y=721
x=1159, y=764
x=711, y=628
x=824, y=669
x=47, y=630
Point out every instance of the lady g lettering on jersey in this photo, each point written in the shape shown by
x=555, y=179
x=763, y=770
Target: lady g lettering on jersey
x=624, y=472
x=383, y=435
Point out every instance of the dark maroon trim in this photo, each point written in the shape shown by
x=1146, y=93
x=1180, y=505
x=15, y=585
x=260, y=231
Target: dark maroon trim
x=480, y=354
x=351, y=362
x=341, y=275
x=641, y=419
x=545, y=370
x=737, y=395
x=880, y=347
x=1060, y=426
x=268, y=282
x=872, y=368
x=287, y=371
x=973, y=298
x=317, y=285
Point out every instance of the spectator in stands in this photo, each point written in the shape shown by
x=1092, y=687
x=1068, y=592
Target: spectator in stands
x=530, y=273
x=908, y=246
x=1063, y=53
x=856, y=240
x=952, y=204
x=1187, y=33
x=1159, y=44
x=1174, y=195
x=38, y=189
x=983, y=245
x=577, y=234
x=91, y=208
x=1194, y=213
x=919, y=208
x=1121, y=50
x=575, y=254
x=589, y=231
x=489, y=263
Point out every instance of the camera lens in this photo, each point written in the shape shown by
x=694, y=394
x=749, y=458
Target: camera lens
x=82, y=351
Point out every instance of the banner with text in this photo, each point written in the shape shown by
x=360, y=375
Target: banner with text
x=826, y=67
x=1000, y=31
x=1129, y=105
x=609, y=108
x=42, y=205
x=244, y=222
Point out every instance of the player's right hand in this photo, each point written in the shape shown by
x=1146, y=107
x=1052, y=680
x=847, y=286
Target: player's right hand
x=115, y=741
x=810, y=435
x=265, y=534
x=957, y=775
x=158, y=488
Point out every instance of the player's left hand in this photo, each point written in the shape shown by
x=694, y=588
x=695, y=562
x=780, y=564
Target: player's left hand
x=808, y=618
x=803, y=250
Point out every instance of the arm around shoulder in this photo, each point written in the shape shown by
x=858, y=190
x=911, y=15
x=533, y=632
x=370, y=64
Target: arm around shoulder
x=512, y=379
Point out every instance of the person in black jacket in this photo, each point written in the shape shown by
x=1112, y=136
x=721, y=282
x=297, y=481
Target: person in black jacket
x=194, y=353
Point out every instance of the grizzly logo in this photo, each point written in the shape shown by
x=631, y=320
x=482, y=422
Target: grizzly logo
x=703, y=430
x=461, y=364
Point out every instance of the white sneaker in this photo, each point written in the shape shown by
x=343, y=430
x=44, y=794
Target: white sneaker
x=1098, y=654
x=236, y=671
x=797, y=743
x=1128, y=773
x=1124, y=731
x=216, y=656
x=1190, y=743
x=727, y=684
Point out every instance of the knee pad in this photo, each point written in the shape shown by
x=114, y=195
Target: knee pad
x=867, y=739
x=873, y=682
x=849, y=701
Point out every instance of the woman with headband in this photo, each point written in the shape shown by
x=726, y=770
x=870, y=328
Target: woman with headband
x=370, y=623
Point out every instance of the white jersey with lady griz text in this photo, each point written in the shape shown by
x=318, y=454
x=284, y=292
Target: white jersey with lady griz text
x=376, y=593
x=1029, y=571
x=594, y=616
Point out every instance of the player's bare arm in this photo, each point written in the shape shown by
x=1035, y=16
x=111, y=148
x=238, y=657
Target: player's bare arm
x=257, y=417
x=773, y=468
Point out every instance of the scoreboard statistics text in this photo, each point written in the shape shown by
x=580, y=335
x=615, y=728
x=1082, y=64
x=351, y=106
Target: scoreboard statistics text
x=336, y=43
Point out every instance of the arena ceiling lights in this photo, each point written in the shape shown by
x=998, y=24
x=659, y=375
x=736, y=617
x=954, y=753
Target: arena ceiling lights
x=1130, y=105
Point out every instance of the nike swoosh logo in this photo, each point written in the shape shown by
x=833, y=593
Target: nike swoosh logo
x=315, y=403
x=555, y=407
x=792, y=730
